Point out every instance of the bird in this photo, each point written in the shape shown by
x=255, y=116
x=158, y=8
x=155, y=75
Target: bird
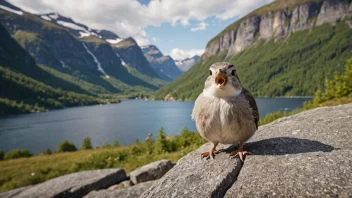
x=225, y=112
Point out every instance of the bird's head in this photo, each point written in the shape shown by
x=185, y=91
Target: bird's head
x=222, y=81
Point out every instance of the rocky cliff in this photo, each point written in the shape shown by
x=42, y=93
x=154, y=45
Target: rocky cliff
x=164, y=66
x=129, y=51
x=277, y=20
x=305, y=155
x=286, y=48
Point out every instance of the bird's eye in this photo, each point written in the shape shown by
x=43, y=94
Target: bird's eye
x=210, y=73
x=233, y=72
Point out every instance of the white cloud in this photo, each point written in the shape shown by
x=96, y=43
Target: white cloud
x=154, y=39
x=179, y=54
x=200, y=26
x=129, y=17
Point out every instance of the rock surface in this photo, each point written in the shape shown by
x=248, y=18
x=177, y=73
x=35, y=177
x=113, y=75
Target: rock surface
x=72, y=185
x=131, y=192
x=305, y=155
x=150, y=171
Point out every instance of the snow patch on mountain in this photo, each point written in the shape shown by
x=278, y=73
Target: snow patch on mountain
x=96, y=61
x=11, y=10
x=187, y=63
x=46, y=18
x=54, y=16
x=71, y=25
x=114, y=41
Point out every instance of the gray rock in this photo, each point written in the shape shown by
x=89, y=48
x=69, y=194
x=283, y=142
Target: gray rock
x=14, y=192
x=305, y=155
x=123, y=184
x=131, y=192
x=150, y=171
x=196, y=177
x=75, y=184
x=333, y=10
x=246, y=33
x=126, y=183
x=308, y=154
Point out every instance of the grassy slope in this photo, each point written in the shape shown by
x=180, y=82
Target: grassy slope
x=300, y=63
x=36, y=94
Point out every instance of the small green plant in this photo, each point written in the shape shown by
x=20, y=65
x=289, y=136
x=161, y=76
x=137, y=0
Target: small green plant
x=48, y=151
x=116, y=143
x=161, y=143
x=106, y=145
x=2, y=154
x=334, y=89
x=17, y=153
x=66, y=146
x=87, y=143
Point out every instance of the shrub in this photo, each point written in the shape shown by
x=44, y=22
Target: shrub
x=87, y=143
x=2, y=154
x=48, y=151
x=338, y=87
x=106, y=145
x=108, y=159
x=116, y=143
x=161, y=144
x=66, y=146
x=17, y=153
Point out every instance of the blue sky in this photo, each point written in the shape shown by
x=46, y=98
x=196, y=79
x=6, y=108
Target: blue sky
x=180, y=28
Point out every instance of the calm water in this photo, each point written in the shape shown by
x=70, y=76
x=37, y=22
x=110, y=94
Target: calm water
x=125, y=122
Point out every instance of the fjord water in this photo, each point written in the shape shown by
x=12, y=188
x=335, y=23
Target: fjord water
x=124, y=121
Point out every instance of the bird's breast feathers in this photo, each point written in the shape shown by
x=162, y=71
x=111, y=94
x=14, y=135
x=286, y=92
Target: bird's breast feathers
x=223, y=120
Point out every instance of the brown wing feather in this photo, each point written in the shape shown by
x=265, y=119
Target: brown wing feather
x=255, y=112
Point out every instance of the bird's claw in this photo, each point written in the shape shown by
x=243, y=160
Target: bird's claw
x=210, y=154
x=240, y=154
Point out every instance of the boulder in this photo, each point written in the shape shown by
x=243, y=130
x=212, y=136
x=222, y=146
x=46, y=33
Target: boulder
x=121, y=185
x=305, y=155
x=126, y=183
x=14, y=192
x=131, y=192
x=152, y=171
x=75, y=184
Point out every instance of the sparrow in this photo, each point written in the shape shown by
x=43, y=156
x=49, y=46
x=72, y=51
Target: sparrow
x=225, y=112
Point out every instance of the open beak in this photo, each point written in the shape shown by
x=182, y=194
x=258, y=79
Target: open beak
x=221, y=81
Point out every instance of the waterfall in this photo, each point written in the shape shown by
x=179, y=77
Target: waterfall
x=122, y=62
x=96, y=61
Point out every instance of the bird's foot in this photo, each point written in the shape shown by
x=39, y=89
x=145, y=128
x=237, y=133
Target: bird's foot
x=240, y=154
x=210, y=154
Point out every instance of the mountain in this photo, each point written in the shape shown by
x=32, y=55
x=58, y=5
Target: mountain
x=163, y=65
x=20, y=92
x=187, y=63
x=286, y=48
x=54, y=43
x=132, y=55
x=78, y=29
x=63, y=62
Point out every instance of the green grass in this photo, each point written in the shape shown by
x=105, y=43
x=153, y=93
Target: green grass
x=92, y=39
x=29, y=171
